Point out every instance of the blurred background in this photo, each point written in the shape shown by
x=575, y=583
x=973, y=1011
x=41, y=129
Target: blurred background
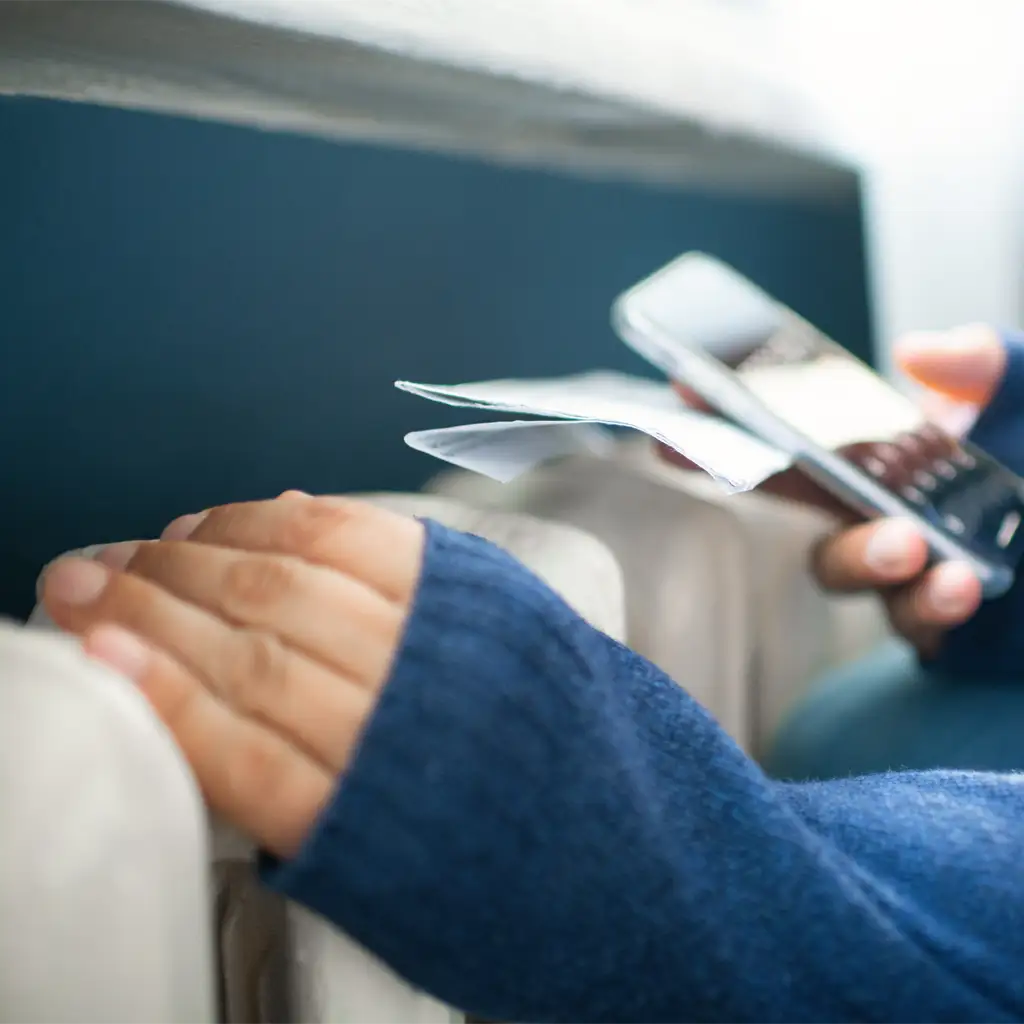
x=196, y=312
x=228, y=226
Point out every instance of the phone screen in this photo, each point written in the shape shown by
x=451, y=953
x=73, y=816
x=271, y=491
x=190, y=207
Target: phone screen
x=815, y=387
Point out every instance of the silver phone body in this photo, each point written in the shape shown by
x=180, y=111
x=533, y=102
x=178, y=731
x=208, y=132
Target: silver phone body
x=772, y=373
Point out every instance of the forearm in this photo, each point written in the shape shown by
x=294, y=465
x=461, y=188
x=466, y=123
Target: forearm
x=539, y=825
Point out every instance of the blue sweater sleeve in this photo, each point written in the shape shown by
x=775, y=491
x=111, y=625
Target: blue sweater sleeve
x=990, y=645
x=539, y=825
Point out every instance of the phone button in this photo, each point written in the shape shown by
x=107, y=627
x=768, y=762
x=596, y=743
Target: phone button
x=954, y=524
x=945, y=469
x=913, y=495
x=875, y=466
x=909, y=443
x=1008, y=528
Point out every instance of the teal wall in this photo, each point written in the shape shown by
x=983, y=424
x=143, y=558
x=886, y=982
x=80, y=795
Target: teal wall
x=194, y=313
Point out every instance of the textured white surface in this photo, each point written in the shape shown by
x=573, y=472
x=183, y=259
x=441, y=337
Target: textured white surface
x=330, y=977
x=568, y=558
x=717, y=588
x=693, y=89
x=684, y=564
x=797, y=632
x=103, y=867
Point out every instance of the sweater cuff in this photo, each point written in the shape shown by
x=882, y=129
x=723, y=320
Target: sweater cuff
x=999, y=429
x=990, y=646
x=425, y=817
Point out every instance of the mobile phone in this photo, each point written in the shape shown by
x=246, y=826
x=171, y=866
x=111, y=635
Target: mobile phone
x=769, y=371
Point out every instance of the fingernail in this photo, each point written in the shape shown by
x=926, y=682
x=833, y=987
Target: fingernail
x=121, y=650
x=952, y=589
x=965, y=364
x=117, y=556
x=293, y=494
x=183, y=527
x=890, y=549
x=75, y=580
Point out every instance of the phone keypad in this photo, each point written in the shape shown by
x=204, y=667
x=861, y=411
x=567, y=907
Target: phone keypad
x=964, y=495
x=912, y=465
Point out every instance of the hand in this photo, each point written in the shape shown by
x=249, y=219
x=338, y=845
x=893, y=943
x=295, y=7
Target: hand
x=964, y=366
x=262, y=634
x=960, y=370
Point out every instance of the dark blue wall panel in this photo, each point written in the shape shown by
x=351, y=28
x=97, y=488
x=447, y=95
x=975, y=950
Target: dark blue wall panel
x=194, y=313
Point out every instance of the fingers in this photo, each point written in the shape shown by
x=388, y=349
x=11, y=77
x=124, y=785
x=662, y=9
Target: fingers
x=378, y=547
x=877, y=554
x=965, y=364
x=691, y=398
x=324, y=614
x=947, y=595
x=261, y=643
x=253, y=672
x=890, y=556
x=249, y=775
x=796, y=486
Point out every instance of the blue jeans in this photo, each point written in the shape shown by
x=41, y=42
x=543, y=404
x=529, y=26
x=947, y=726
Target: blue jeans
x=887, y=712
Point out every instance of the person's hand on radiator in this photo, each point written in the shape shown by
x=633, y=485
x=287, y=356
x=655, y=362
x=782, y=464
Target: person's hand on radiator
x=262, y=634
x=519, y=815
x=958, y=368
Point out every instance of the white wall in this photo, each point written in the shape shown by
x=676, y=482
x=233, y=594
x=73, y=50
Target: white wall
x=929, y=96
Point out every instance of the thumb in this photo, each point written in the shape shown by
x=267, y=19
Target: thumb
x=966, y=364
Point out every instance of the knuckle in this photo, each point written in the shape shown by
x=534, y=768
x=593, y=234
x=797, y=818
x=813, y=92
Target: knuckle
x=256, y=770
x=175, y=706
x=314, y=525
x=155, y=562
x=258, y=673
x=218, y=523
x=147, y=556
x=131, y=601
x=258, y=582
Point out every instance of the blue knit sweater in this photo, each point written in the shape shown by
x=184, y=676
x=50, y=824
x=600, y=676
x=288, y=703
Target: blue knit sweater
x=540, y=826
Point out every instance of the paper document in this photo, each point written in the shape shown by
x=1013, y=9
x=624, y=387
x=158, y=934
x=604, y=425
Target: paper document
x=503, y=450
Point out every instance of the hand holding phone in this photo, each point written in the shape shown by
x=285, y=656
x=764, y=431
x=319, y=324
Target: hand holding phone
x=858, y=438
